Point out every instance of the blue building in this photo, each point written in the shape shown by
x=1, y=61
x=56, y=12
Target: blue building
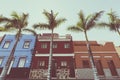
x=20, y=65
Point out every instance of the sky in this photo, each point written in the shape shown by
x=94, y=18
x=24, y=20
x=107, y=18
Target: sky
x=68, y=9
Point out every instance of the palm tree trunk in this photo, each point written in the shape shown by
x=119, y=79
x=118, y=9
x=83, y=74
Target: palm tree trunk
x=10, y=58
x=50, y=58
x=91, y=58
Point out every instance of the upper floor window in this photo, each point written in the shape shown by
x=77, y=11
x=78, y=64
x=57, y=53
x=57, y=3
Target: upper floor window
x=41, y=63
x=112, y=68
x=26, y=44
x=6, y=44
x=44, y=45
x=54, y=45
x=66, y=45
x=86, y=64
x=22, y=61
x=63, y=63
x=1, y=60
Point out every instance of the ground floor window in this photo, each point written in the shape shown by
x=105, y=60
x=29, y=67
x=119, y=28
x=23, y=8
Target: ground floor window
x=22, y=62
x=86, y=63
x=99, y=67
x=112, y=68
x=63, y=63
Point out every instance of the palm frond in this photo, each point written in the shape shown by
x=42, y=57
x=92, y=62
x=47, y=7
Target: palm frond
x=55, y=15
x=118, y=23
x=24, y=19
x=103, y=24
x=19, y=21
x=112, y=16
x=2, y=29
x=41, y=26
x=31, y=31
x=4, y=19
x=47, y=14
x=92, y=21
x=112, y=27
x=15, y=15
x=87, y=19
x=82, y=17
x=53, y=22
x=74, y=29
x=59, y=21
x=9, y=27
x=80, y=25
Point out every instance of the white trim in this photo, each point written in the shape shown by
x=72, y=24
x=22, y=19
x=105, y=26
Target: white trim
x=88, y=56
x=41, y=55
x=98, y=52
x=107, y=56
x=96, y=56
x=55, y=40
x=84, y=56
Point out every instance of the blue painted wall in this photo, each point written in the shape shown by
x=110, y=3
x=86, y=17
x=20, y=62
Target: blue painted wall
x=20, y=51
x=5, y=52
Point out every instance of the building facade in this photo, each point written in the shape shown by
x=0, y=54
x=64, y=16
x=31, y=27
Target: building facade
x=20, y=65
x=70, y=58
x=62, y=61
x=105, y=57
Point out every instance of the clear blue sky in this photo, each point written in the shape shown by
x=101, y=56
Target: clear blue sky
x=67, y=9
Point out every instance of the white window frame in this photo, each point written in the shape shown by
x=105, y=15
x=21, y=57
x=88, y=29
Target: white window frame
x=63, y=63
x=67, y=45
x=54, y=45
x=43, y=45
x=41, y=63
x=26, y=44
x=6, y=44
x=22, y=63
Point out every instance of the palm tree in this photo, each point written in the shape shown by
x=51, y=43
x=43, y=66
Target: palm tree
x=113, y=24
x=2, y=29
x=3, y=20
x=51, y=25
x=83, y=25
x=17, y=22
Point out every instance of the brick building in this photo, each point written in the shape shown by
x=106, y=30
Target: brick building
x=63, y=57
x=70, y=58
x=106, y=60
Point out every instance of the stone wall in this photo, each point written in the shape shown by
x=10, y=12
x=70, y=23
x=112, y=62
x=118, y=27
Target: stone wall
x=84, y=73
x=42, y=74
x=38, y=74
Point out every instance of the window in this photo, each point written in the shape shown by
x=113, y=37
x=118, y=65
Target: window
x=54, y=45
x=42, y=63
x=112, y=68
x=44, y=45
x=66, y=45
x=86, y=64
x=22, y=61
x=63, y=63
x=26, y=44
x=1, y=60
x=99, y=67
x=7, y=44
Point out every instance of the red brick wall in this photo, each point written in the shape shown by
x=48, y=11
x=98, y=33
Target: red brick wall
x=115, y=58
x=60, y=47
